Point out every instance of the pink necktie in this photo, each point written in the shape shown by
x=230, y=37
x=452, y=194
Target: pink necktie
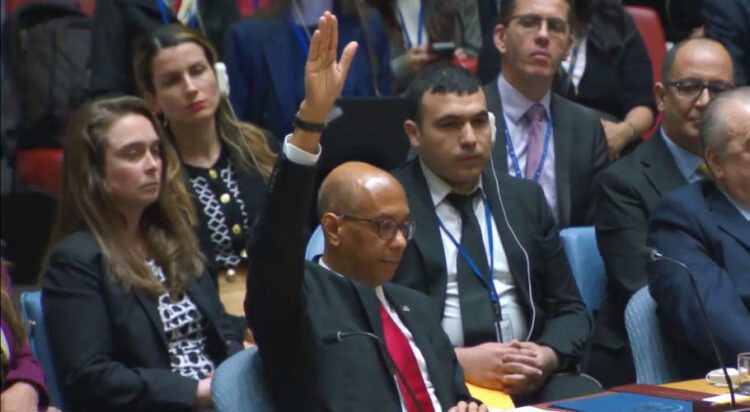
x=535, y=117
x=402, y=355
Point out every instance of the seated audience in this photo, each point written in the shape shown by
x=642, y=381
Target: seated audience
x=118, y=24
x=491, y=262
x=265, y=56
x=227, y=161
x=134, y=320
x=542, y=136
x=21, y=377
x=694, y=71
x=609, y=70
x=728, y=21
x=414, y=25
x=706, y=225
x=300, y=311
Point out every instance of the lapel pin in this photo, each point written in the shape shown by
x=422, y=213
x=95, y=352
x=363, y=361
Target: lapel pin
x=406, y=309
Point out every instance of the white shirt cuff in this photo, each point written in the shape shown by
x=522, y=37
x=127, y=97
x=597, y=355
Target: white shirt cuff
x=299, y=156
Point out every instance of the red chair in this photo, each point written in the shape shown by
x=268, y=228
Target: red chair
x=649, y=26
x=40, y=169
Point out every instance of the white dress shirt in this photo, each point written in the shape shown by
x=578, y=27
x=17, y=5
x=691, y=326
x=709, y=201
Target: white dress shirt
x=503, y=280
x=515, y=106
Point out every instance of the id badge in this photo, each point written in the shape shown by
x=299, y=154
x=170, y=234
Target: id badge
x=504, y=330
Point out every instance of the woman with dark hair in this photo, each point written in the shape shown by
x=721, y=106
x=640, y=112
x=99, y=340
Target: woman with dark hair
x=413, y=25
x=21, y=377
x=134, y=320
x=227, y=161
x=609, y=70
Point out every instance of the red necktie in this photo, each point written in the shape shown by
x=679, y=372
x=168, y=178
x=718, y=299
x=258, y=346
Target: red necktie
x=402, y=355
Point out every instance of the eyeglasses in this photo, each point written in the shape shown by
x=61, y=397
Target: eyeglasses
x=692, y=88
x=387, y=228
x=533, y=23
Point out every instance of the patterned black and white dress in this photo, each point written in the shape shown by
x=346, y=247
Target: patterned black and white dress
x=185, y=328
x=224, y=209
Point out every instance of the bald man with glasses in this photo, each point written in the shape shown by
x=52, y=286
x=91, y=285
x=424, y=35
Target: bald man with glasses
x=695, y=71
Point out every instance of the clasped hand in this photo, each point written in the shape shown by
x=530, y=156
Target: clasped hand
x=515, y=368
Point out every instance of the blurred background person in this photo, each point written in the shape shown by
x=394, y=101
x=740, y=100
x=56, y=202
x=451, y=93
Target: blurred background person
x=21, y=378
x=414, y=25
x=728, y=21
x=265, y=56
x=608, y=69
x=134, y=320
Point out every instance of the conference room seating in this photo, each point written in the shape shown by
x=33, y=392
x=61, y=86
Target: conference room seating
x=649, y=26
x=652, y=359
x=31, y=312
x=238, y=384
x=586, y=264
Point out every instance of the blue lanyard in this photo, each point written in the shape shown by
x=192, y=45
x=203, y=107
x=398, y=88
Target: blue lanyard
x=514, y=158
x=165, y=14
x=420, y=25
x=487, y=282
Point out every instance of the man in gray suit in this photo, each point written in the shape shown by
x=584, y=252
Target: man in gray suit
x=694, y=71
x=541, y=136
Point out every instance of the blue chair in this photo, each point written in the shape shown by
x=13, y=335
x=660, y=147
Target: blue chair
x=316, y=244
x=653, y=361
x=31, y=311
x=238, y=384
x=586, y=264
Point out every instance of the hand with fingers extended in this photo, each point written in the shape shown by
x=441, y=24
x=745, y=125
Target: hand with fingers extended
x=324, y=75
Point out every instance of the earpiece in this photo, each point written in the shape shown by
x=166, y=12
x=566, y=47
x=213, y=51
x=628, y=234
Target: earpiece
x=222, y=78
x=493, y=129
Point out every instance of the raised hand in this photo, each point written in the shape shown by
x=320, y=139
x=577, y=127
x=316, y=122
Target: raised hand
x=324, y=76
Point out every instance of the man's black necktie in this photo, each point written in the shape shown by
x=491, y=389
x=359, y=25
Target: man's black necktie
x=477, y=314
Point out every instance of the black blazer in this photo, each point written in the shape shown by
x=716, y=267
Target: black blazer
x=109, y=345
x=561, y=319
x=119, y=23
x=292, y=304
x=580, y=154
x=728, y=21
x=625, y=194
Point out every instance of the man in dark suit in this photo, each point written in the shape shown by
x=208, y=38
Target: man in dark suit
x=543, y=137
x=515, y=332
x=706, y=225
x=627, y=191
x=301, y=312
x=728, y=21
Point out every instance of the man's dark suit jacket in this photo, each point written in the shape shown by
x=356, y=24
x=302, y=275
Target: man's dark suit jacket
x=561, y=318
x=109, y=345
x=292, y=305
x=698, y=226
x=118, y=24
x=728, y=21
x=580, y=154
x=625, y=194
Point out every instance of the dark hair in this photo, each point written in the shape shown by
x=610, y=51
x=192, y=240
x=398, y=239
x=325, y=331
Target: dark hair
x=440, y=79
x=603, y=22
x=508, y=7
x=669, y=59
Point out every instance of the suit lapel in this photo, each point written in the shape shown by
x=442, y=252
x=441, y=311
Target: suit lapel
x=495, y=105
x=199, y=298
x=276, y=49
x=727, y=217
x=150, y=306
x=563, y=138
x=659, y=166
x=427, y=237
